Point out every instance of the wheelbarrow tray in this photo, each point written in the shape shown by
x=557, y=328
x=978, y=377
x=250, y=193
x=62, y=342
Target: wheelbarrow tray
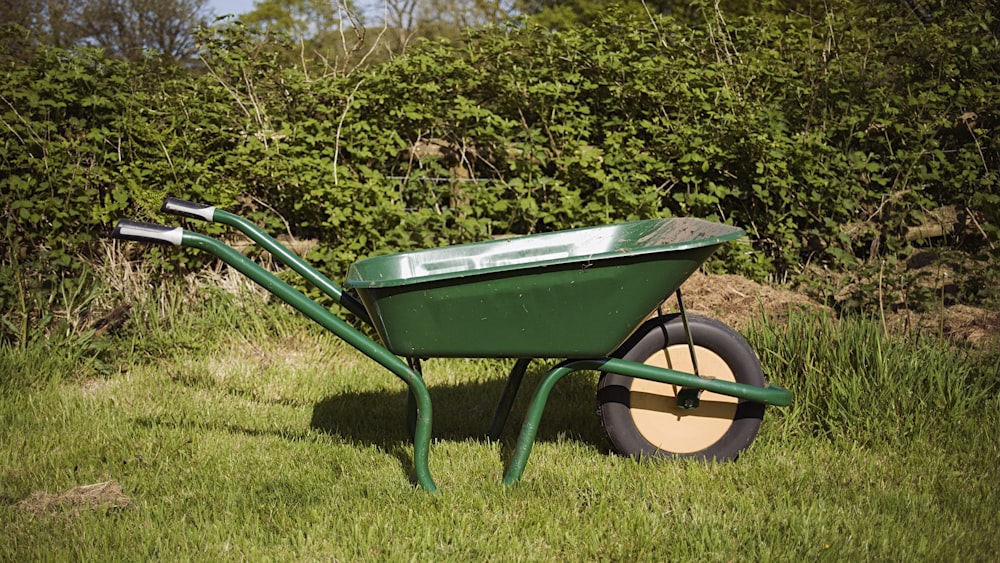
x=575, y=293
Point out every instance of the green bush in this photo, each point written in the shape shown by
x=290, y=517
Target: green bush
x=825, y=140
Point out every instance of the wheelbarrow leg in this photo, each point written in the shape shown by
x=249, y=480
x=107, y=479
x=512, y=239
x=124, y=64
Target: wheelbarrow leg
x=417, y=387
x=529, y=429
x=145, y=232
x=354, y=337
x=769, y=394
x=507, y=399
x=411, y=399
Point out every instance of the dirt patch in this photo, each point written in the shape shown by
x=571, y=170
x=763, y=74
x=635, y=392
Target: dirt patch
x=962, y=323
x=107, y=496
x=737, y=301
x=93, y=387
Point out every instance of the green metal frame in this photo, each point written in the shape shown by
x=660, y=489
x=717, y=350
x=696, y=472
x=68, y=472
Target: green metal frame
x=771, y=395
x=506, y=403
x=289, y=258
x=419, y=412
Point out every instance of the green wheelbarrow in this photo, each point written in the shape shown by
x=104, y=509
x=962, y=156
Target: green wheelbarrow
x=671, y=385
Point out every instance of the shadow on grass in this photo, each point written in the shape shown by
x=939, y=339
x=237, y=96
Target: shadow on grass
x=185, y=423
x=462, y=412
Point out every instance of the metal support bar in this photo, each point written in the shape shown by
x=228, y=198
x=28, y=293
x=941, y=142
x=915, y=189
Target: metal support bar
x=688, y=398
x=770, y=394
x=687, y=331
x=507, y=399
x=411, y=399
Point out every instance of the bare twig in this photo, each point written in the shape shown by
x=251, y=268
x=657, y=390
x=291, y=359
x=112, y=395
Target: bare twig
x=227, y=87
x=881, y=304
x=258, y=114
x=975, y=222
x=979, y=147
x=886, y=200
x=288, y=228
x=31, y=130
x=340, y=127
x=302, y=58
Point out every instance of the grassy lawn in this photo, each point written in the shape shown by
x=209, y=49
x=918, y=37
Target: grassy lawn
x=274, y=441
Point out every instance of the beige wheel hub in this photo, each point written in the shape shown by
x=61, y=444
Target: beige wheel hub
x=670, y=428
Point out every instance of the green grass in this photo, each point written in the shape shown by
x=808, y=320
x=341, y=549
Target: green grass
x=261, y=438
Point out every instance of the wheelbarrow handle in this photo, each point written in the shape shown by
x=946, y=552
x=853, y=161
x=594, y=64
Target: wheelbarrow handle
x=210, y=213
x=147, y=232
x=188, y=209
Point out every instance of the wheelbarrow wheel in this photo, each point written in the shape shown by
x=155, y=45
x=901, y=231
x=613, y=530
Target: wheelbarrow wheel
x=642, y=418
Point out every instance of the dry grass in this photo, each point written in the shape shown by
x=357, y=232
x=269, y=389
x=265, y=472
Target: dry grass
x=107, y=496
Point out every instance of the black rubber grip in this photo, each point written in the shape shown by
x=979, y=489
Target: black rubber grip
x=188, y=209
x=147, y=232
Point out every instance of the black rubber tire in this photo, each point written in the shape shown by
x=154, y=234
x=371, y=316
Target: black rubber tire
x=725, y=425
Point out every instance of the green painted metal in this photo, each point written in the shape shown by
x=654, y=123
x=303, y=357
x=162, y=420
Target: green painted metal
x=288, y=294
x=568, y=294
x=293, y=261
x=687, y=331
x=506, y=404
x=411, y=400
x=771, y=395
x=688, y=398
